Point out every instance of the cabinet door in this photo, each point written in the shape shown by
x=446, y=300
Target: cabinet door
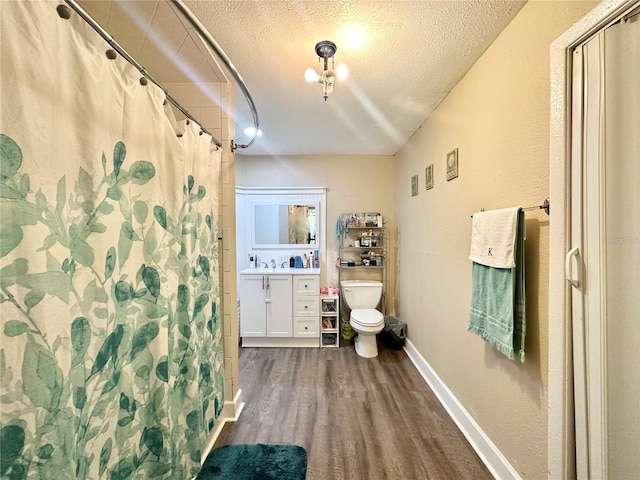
x=253, y=314
x=279, y=303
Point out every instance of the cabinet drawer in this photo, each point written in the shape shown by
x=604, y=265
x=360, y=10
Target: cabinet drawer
x=305, y=327
x=306, y=306
x=306, y=285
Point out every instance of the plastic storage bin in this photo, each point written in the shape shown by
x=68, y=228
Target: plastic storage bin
x=394, y=333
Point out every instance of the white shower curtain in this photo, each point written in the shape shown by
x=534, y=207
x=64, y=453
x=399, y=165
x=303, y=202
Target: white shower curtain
x=111, y=361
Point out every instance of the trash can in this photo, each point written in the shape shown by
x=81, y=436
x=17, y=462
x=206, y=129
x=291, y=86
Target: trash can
x=394, y=332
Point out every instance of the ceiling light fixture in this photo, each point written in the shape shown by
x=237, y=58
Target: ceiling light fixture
x=326, y=50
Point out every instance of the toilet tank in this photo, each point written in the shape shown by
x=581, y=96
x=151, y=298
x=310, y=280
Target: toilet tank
x=361, y=293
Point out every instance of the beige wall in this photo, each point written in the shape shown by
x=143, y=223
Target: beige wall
x=498, y=118
x=354, y=183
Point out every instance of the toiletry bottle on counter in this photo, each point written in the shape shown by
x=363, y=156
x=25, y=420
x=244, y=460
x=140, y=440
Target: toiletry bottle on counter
x=305, y=261
x=316, y=260
x=292, y=262
x=252, y=261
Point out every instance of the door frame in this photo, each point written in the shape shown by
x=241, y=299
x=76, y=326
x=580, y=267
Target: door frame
x=561, y=439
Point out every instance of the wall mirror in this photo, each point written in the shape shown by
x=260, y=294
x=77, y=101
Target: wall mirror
x=275, y=223
x=284, y=224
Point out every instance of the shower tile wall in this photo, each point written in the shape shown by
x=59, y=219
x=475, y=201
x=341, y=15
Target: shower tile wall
x=206, y=102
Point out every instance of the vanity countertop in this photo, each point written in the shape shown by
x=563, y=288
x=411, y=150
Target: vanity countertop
x=280, y=271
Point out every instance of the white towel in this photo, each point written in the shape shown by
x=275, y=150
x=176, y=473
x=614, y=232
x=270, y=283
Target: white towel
x=493, y=237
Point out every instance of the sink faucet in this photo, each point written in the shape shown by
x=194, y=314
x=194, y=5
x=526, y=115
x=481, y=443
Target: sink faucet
x=273, y=263
x=265, y=264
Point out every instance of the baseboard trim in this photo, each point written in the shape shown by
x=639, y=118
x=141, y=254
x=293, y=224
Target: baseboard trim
x=497, y=464
x=230, y=413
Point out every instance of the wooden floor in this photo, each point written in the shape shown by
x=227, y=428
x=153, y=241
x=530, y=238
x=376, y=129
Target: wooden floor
x=358, y=419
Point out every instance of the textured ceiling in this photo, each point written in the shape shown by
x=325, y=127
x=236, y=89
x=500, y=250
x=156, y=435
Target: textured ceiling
x=412, y=53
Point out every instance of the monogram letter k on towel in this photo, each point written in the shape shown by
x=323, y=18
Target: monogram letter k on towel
x=497, y=296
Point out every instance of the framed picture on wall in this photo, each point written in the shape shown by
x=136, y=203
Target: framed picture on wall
x=414, y=185
x=452, y=164
x=428, y=177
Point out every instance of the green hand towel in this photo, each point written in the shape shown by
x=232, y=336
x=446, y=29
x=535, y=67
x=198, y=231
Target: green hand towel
x=498, y=312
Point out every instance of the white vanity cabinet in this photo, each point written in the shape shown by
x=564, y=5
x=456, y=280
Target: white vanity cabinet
x=265, y=306
x=280, y=308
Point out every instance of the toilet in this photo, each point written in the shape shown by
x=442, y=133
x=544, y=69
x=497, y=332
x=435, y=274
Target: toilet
x=362, y=297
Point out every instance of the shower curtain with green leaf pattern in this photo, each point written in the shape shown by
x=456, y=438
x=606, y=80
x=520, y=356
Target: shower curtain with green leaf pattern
x=111, y=361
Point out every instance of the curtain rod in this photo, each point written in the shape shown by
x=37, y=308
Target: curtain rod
x=210, y=41
x=546, y=205
x=118, y=48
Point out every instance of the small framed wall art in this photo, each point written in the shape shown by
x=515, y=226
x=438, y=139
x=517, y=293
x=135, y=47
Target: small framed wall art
x=414, y=185
x=452, y=164
x=428, y=177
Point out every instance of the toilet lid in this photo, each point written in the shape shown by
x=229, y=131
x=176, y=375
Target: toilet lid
x=367, y=316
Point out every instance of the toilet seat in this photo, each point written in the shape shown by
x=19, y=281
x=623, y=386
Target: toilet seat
x=367, y=318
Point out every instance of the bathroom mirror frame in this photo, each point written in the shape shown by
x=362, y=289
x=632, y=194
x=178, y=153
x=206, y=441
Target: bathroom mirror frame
x=248, y=197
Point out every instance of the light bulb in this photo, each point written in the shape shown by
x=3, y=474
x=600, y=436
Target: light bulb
x=251, y=131
x=310, y=75
x=342, y=71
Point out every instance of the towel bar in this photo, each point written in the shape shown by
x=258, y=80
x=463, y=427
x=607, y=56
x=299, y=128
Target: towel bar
x=546, y=206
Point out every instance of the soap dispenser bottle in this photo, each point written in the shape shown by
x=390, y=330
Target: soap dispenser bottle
x=292, y=262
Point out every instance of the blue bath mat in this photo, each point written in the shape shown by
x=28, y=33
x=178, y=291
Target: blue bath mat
x=255, y=462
